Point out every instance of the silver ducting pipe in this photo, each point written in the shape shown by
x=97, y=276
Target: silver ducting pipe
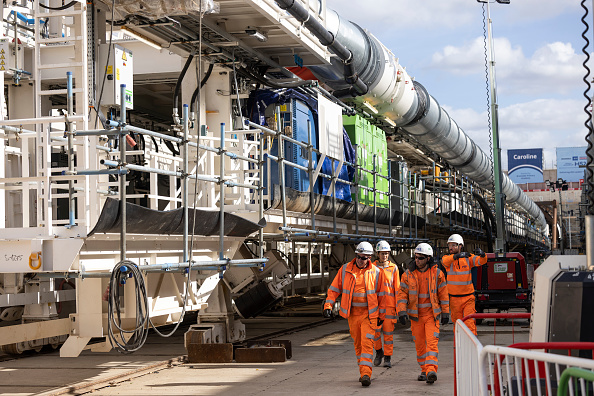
x=438, y=132
x=393, y=93
x=347, y=60
x=391, y=89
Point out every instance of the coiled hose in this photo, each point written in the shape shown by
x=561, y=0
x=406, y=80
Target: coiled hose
x=128, y=340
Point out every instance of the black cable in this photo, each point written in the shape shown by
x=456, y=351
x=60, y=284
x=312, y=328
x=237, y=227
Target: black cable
x=285, y=256
x=64, y=7
x=488, y=97
x=275, y=250
x=271, y=83
x=98, y=104
x=588, y=122
x=250, y=250
x=204, y=80
x=178, y=84
x=489, y=108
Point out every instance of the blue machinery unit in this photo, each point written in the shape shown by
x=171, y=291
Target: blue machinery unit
x=296, y=115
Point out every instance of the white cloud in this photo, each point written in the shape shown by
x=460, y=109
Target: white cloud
x=382, y=15
x=405, y=14
x=462, y=60
x=526, y=10
x=552, y=68
x=541, y=123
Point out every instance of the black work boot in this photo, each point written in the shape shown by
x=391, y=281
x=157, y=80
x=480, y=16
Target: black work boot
x=365, y=380
x=387, y=361
x=379, y=354
x=422, y=377
x=431, y=377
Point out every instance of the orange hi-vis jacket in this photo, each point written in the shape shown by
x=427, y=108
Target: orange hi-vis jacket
x=408, y=294
x=391, y=282
x=459, y=275
x=344, y=285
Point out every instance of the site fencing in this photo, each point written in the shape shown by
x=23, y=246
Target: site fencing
x=517, y=369
x=573, y=377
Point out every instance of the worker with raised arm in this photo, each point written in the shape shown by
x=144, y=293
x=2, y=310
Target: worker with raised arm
x=391, y=285
x=359, y=284
x=458, y=265
x=423, y=301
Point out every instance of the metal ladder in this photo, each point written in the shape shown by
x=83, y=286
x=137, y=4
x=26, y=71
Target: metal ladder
x=54, y=56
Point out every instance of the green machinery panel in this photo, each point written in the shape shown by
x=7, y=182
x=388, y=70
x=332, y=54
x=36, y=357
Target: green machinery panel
x=371, y=141
x=356, y=127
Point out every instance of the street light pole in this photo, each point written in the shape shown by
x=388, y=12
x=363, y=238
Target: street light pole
x=497, y=173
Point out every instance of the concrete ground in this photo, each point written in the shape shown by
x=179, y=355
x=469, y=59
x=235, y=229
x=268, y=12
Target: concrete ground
x=323, y=362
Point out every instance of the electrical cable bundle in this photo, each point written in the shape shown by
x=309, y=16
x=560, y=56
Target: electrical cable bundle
x=127, y=341
x=131, y=340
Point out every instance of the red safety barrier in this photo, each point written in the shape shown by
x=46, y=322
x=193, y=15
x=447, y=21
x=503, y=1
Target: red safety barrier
x=512, y=316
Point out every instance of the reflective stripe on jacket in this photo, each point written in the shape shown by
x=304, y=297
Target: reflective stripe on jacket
x=408, y=294
x=459, y=275
x=343, y=285
x=391, y=282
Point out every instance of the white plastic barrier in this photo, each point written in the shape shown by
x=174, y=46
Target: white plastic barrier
x=496, y=370
x=468, y=349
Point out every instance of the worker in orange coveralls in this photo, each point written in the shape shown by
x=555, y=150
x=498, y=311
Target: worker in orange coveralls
x=423, y=298
x=391, y=284
x=458, y=265
x=359, y=284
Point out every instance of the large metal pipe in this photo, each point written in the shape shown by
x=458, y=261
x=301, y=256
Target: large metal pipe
x=392, y=92
x=347, y=58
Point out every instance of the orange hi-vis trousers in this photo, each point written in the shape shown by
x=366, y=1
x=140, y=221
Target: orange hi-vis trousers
x=426, y=334
x=388, y=330
x=362, y=332
x=461, y=307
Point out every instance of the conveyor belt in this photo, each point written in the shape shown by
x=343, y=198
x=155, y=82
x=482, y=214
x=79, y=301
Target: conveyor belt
x=141, y=220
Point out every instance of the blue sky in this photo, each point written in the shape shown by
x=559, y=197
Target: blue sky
x=538, y=60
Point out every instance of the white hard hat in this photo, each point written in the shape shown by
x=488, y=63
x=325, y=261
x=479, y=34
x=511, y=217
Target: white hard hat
x=456, y=238
x=364, y=248
x=424, y=248
x=383, y=246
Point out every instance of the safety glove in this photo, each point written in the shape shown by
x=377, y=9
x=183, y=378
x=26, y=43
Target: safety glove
x=403, y=319
x=379, y=322
x=445, y=318
x=479, y=252
x=461, y=255
x=327, y=313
